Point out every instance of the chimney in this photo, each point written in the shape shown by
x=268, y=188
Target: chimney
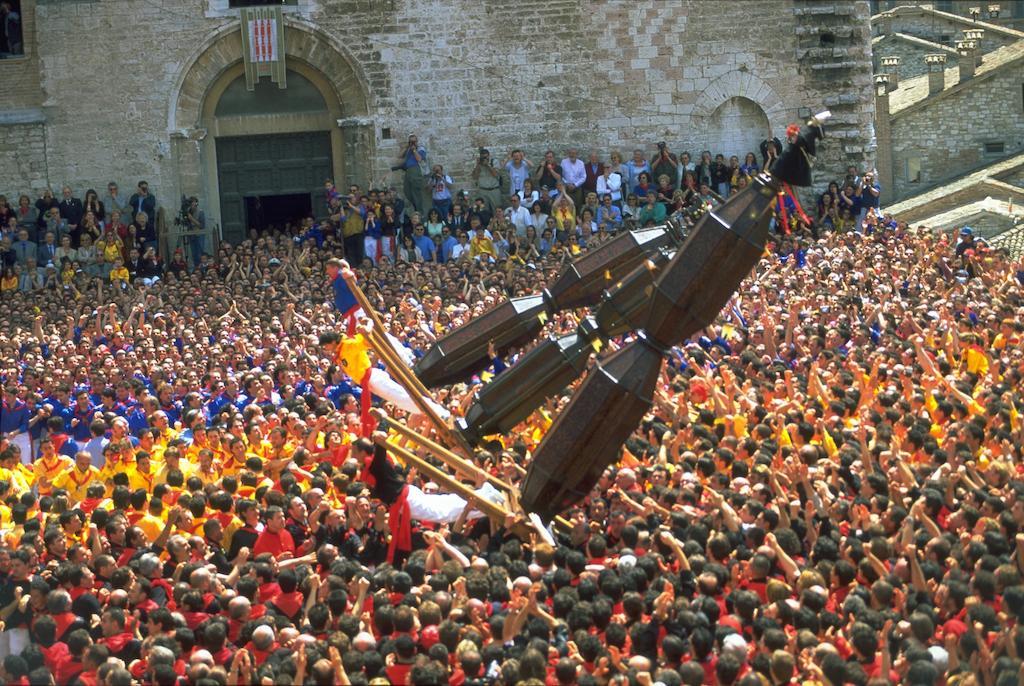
x=882, y=85
x=936, y=72
x=976, y=35
x=967, y=61
x=891, y=64
x=884, y=24
x=883, y=133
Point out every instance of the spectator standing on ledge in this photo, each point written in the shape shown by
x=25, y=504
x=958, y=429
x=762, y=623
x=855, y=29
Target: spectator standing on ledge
x=487, y=180
x=518, y=169
x=665, y=163
x=412, y=161
x=574, y=175
x=115, y=200
x=634, y=168
x=440, y=185
x=196, y=222
x=142, y=202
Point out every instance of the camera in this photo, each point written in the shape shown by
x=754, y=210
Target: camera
x=484, y=154
x=181, y=219
x=661, y=146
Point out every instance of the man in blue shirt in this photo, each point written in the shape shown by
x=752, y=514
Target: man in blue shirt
x=448, y=241
x=14, y=416
x=868, y=191
x=423, y=242
x=81, y=417
x=609, y=215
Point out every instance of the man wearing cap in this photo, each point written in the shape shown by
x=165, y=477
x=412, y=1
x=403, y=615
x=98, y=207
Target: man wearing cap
x=965, y=242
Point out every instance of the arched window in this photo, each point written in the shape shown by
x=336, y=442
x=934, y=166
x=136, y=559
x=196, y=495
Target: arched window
x=301, y=96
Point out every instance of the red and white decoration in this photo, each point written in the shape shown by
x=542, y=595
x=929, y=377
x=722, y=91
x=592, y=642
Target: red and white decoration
x=263, y=40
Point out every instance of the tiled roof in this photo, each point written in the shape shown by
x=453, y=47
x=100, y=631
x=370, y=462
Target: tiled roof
x=915, y=90
x=982, y=182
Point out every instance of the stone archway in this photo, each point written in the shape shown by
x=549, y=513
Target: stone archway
x=737, y=98
x=737, y=127
x=215, y=64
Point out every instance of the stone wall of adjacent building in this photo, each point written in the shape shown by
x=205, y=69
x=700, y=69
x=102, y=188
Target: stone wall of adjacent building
x=462, y=74
x=948, y=134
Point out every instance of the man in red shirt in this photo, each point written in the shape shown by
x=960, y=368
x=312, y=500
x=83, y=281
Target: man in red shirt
x=275, y=539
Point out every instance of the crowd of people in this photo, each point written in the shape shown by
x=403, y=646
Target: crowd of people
x=827, y=490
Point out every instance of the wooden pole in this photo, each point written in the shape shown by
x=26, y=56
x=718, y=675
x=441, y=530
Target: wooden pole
x=401, y=374
x=448, y=457
x=378, y=326
x=492, y=510
x=460, y=464
x=387, y=351
x=379, y=341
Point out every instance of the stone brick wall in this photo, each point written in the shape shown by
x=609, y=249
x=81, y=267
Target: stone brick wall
x=949, y=134
x=501, y=74
x=23, y=159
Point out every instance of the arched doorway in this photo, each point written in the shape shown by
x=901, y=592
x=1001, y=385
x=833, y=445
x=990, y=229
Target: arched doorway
x=737, y=127
x=327, y=96
x=273, y=149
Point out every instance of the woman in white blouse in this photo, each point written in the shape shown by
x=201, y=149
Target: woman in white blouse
x=610, y=183
x=528, y=195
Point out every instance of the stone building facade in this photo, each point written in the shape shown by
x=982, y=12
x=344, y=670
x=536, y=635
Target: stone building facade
x=160, y=99
x=951, y=100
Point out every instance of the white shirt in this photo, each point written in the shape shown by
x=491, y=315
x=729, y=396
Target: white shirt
x=517, y=175
x=528, y=200
x=520, y=218
x=459, y=250
x=574, y=173
x=610, y=185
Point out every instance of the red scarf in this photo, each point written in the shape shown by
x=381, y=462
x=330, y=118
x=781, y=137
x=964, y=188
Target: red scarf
x=63, y=621
x=288, y=603
x=117, y=642
x=400, y=520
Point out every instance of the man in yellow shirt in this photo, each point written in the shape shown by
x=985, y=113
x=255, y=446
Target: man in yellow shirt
x=237, y=455
x=172, y=461
x=481, y=247
x=142, y=476
x=49, y=466
x=76, y=480
x=352, y=354
x=208, y=470
x=119, y=275
x=152, y=523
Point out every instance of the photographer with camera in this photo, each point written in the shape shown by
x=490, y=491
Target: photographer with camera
x=195, y=220
x=412, y=160
x=665, y=163
x=440, y=185
x=487, y=180
x=868, y=190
